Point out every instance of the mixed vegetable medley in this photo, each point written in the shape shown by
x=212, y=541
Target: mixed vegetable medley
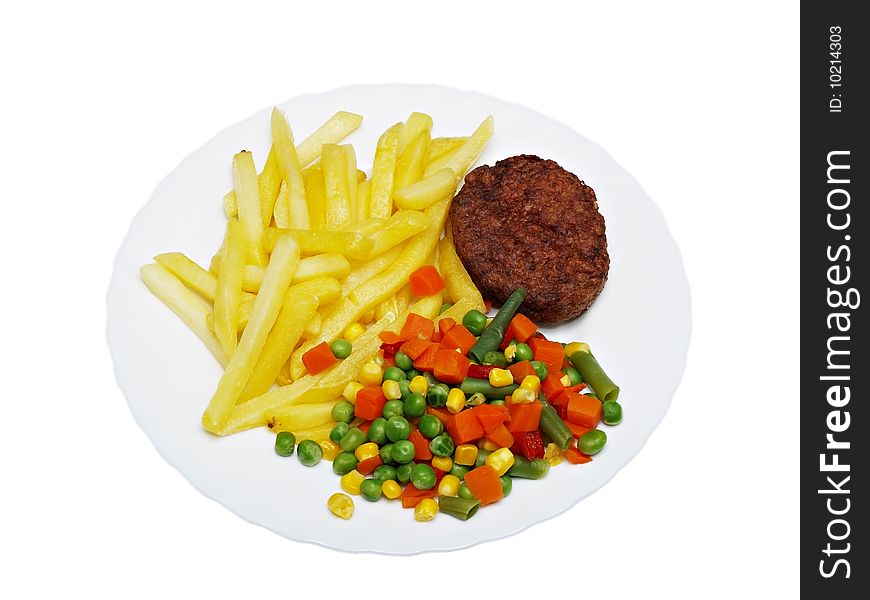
x=447, y=413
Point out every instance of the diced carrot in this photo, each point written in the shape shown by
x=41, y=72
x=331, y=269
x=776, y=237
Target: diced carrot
x=441, y=414
x=426, y=361
x=484, y=484
x=501, y=436
x=522, y=327
x=369, y=403
x=417, y=327
x=451, y=366
x=491, y=416
x=365, y=467
x=577, y=430
x=464, y=427
x=319, y=358
x=459, y=337
x=549, y=353
x=411, y=496
x=583, y=410
x=390, y=337
x=445, y=324
x=421, y=445
x=552, y=386
x=575, y=457
x=426, y=281
x=525, y=417
x=414, y=348
x=507, y=339
x=522, y=369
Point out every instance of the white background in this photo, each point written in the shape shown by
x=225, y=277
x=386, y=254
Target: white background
x=699, y=102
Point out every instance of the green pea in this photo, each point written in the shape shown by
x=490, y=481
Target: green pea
x=352, y=440
x=540, y=368
x=497, y=401
x=442, y=445
x=507, y=484
x=393, y=408
x=405, y=388
x=524, y=352
x=430, y=377
x=474, y=321
x=403, y=472
x=370, y=489
x=398, y=429
x=339, y=431
x=464, y=492
x=611, y=412
x=377, y=432
x=344, y=463
x=573, y=374
x=430, y=426
x=591, y=442
x=591, y=394
x=309, y=452
x=459, y=470
x=444, y=307
x=494, y=357
x=403, y=452
x=423, y=477
x=481, y=457
x=394, y=373
x=285, y=443
x=342, y=411
x=384, y=472
x=341, y=349
x=437, y=395
x=386, y=453
x=412, y=373
x=403, y=361
x=414, y=405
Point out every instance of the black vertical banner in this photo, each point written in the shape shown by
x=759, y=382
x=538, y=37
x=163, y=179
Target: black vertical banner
x=834, y=369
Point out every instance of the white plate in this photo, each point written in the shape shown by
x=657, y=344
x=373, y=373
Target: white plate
x=638, y=328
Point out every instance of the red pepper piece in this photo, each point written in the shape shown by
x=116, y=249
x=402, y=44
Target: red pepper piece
x=390, y=349
x=480, y=371
x=530, y=444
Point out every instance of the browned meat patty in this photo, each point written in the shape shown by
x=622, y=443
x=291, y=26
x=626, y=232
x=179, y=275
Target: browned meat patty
x=527, y=222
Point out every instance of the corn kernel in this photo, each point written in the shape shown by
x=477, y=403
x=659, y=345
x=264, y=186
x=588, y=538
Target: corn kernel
x=465, y=454
x=353, y=331
x=576, y=347
x=488, y=445
x=523, y=395
x=425, y=510
x=351, y=481
x=350, y=391
x=367, y=450
x=391, y=389
x=500, y=377
x=455, y=400
x=443, y=463
x=531, y=382
x=368, y=317
x=379, y=360
x=370, y=374
x=330, y=449
x=510, y=352
x=565, y=380
x=391, y=489
x=553, y=454
x=419, y=385
x=501, y=460
x=449, y=486
x=341, y=505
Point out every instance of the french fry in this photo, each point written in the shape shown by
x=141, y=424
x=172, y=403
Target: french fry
x=428, y=190
x=193, y=276
x=403, y=225
x=300, y=417
x=362, y=272
x=248, y=199
x=354, y=246
x=338, y=198
x=318, y=434
x=282, y=265
x=319, y=265
x=290, y=171
x=228, y=290
x=283, y=377
x=416, y=124
x=268, y=182
x=339, y=126
x=315, y=194
x=457, y=281
x=457, y=310
x=364, y=193
x=412, y=162
x=440, y=146
x=281, y=210
x=383, y=173
x=397, y=303
x=312, y=328
x=460, y=160
x=185, y=303
x=352, y=182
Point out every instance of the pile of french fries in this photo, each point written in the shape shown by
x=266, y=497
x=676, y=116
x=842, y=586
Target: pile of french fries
x=313, y=246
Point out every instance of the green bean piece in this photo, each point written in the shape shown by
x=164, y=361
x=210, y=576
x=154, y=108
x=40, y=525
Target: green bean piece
x=344, y=463
x=595, y=376
x=403, y=472
x=309, y=453
x=377, y=432
x=370, y=489
x=472, y=386
x=386, y=453
x=423, y=477
x=494, y=357
x=529, y=469
x=611, y=412
x=507, y=485
x=441, y=445
x=573, y=374
x=394, y=374
x=384, y=472
x=398, y=428
x=342, y=412
x=474, y=321
x=553, y=427
x=475, y=399
x=493, y=335
x=352, y=440
x=437, y=395
x=524, y=352
x=393, y=408
x=459, y=470
x=592, y=442
x=341, y=349
x=465, y=492
x=496, y=402
x=460, y=508
x=430, y=426
x=405, y=387
x=403, y=361
x=481, y=457
x=403, y=452
x=414, y=405
x=444, y=307
x=285, y=443
x=339, y=431
x=540, y=369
